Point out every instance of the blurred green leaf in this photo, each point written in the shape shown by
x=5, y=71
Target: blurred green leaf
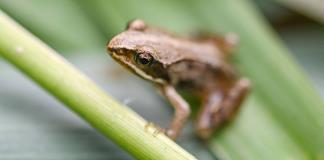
x=312, y=8
x=60, y=23
x=256, y=134
x=283, y=117
x=113, y=16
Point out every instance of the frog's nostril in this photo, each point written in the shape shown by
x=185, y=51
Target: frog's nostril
x=110, y=50
x=111, y=46
x=114, y=50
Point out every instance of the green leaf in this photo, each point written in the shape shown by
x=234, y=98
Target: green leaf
x=283, y=117
x=60, y=23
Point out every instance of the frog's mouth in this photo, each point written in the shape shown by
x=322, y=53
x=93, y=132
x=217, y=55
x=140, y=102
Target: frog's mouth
x=125, y=61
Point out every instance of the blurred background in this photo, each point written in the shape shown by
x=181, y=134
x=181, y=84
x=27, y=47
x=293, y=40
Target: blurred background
x=33, y=125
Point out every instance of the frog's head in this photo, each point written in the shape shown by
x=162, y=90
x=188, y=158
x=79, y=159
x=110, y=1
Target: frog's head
x=133, y=50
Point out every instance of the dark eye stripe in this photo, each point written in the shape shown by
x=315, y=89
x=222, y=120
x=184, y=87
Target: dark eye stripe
x=136, y=57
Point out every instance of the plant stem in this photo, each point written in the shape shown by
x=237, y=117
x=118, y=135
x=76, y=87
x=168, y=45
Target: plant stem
x=59, y=78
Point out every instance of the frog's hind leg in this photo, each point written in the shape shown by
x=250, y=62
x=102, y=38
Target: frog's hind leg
x=226, y=43
x=210, y=102
x=231, y=103
x=218, y=110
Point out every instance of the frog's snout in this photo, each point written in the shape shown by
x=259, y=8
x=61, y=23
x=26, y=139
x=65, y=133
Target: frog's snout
x=110, y=46
x=117, y=45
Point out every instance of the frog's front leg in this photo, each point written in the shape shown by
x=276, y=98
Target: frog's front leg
x=182, y=111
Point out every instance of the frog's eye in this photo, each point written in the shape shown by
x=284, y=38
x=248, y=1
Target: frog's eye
x=144, y=59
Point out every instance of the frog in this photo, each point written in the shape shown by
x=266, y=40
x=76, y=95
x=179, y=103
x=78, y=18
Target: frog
x=174, y=64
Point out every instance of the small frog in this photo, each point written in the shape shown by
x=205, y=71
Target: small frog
x=196, y=65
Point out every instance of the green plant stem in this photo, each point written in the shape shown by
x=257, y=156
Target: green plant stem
x=76, y=91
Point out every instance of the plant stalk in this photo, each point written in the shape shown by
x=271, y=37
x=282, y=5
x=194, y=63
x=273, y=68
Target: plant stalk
x=49, y=70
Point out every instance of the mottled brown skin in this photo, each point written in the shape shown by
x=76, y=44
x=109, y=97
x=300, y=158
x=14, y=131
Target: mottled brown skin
x=197, y=65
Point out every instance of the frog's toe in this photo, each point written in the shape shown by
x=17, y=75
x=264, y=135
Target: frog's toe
x=204, y=132
x=172, y=134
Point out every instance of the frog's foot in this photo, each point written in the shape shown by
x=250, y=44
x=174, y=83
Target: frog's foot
x=153, y=129
x=148, y=126
x=218, y=110
x=158, y=131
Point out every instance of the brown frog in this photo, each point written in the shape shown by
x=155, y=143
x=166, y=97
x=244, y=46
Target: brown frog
x=196, y=65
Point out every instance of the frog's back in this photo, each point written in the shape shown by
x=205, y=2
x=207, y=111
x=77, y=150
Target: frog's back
x=169, y=49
